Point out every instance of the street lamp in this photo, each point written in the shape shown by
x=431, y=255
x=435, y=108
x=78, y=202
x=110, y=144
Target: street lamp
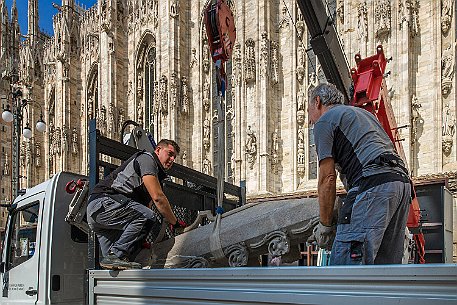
x=15, y=114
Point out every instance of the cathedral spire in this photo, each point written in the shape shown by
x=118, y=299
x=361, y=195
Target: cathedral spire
x=14, y=11
x=4, y=24
x=3, y=14
x=14, y=41
x=2, y=7
x=33, y=20
x=70, y=3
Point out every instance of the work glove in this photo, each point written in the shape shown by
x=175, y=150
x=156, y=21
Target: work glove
x=324, y=235
x=178, y=227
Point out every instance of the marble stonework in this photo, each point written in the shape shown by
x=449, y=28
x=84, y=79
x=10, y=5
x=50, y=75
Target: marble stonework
x=148, y=60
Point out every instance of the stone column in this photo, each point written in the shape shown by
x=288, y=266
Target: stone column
x=107, y=75
x=172, y=22
x=401, y=92
x=237, y=90
x=263, y=105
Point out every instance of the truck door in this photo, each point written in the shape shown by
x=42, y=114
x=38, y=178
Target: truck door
x=20, y=261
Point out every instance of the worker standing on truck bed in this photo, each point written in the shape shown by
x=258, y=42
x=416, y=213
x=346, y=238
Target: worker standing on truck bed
x=119, y=206
x=372, y=218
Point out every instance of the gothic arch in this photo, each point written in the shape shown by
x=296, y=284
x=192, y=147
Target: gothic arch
x=146, y=82
x=92, y=92
x=51, y=104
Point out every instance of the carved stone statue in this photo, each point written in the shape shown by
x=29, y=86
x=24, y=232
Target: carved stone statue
x=301, y=161
x=415, y=117
x=130, y=93
x=120, y=118
x=237, y=65
x=301, y=137
x=251, y=147
x=74, y=141
x=156, y=13
x=140, y=113
x=301, y=107
x=300, y=25
x=284, y=22
x=185, y=95
x=184, y=158
x=274, y=48
x=447, y=70
x=163, y=93
x=206, y=134
x=28, y=152
x=206, y=168
x=249, y=61
x=64, y=139
x=193, y=60
x=101, y=121
x=174, y=9
x=156, y=106
x=362, y=21
x=22, y=155
x=139, y=87
x=173, y=89
x=274, y=149
x=51, y=138
x=340, y=10
x=264, y=55
x=37, y=154
x=233, y=165
x=446, y=15
x=301, y=63
x=206, y=100
x=57, y=139
x=90, y=108
x=6, y=165
x=448, y=130
x=110, y=119
x=205, y=54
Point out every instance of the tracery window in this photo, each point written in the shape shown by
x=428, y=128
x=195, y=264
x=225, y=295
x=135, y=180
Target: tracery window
x=150, y=79
x=92, y=93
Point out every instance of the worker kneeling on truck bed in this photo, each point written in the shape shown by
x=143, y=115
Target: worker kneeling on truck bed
x=119, y=208
x=372, y=217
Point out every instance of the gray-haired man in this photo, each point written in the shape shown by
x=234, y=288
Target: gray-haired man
x=372, y=218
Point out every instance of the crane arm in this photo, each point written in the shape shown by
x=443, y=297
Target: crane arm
x=326, y=45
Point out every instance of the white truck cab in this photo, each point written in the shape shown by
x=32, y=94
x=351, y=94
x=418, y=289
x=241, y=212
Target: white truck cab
x=44, y=259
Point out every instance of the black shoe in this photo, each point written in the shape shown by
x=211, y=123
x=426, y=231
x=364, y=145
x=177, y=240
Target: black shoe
x=111, y=261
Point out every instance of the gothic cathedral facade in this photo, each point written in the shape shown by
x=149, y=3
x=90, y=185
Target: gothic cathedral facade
x=148, y=61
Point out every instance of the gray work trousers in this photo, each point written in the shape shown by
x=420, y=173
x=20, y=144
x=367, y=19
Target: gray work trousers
x=376, y=232
x=120, y=227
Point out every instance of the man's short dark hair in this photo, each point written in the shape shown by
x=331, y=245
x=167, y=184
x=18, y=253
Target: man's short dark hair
x=166, y=142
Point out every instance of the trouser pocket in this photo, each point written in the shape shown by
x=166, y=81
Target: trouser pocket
x=356, y=251
x=348, y=250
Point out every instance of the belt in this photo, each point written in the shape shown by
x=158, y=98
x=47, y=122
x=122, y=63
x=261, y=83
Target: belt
x=366, y=183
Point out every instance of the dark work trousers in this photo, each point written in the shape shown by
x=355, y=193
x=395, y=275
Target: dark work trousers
x=375, y=233
x=120, y=227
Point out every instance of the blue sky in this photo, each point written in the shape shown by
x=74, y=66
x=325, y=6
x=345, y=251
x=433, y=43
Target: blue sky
x=45, y=11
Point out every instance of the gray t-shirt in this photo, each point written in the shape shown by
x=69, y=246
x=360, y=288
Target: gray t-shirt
x=354, y=138
x=130, y=178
